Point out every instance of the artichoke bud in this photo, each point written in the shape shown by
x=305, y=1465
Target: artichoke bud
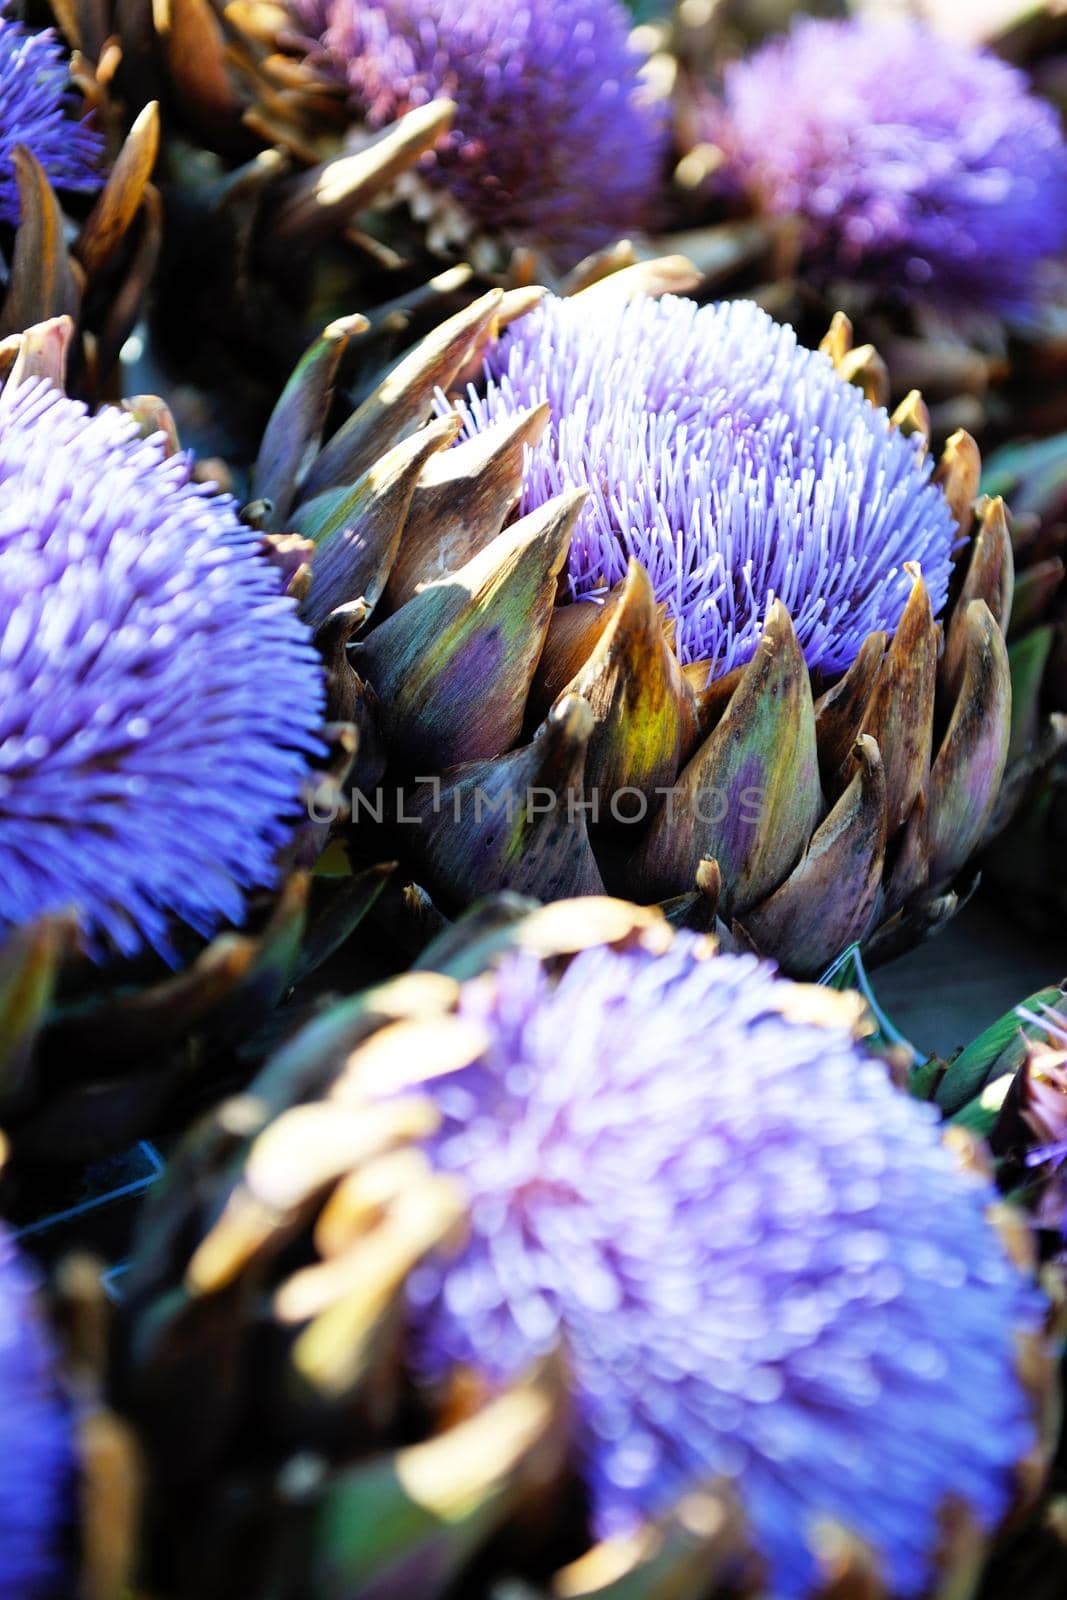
x=338, y=1232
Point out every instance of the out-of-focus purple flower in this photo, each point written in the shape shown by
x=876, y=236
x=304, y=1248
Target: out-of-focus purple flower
x=1044, y=1109
x=735, y=465
x=761, y=1260
x=555, y=141
x=917, y=165
x=36, y=1452
x=35, y=109
x=159, y=698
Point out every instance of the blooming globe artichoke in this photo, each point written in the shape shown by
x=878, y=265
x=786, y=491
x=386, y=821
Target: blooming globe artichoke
x=304, y=176
x=553, y=142
x=99, y=278
x=36, y=1436
x=163, y=710
x=587, y=1234
x=703, y=664
x=912, y=180
x=954, y=191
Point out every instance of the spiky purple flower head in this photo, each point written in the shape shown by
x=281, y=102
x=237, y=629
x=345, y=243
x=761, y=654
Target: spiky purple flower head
x=36, y=1451
x=554, y=141
x=761, y=1260
x=35, y=111
x=735, y=465
x=159, y=698
x=917, y=165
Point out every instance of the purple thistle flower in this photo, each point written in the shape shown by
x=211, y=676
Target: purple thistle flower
x=159, y=698
x=918, y=165
x=736, y=466
x=36, y=1449
x=761, y=1260
x=554, y=141
x=35, y=111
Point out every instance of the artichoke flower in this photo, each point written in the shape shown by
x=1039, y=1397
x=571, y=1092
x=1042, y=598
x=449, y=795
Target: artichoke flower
x=583, y=1256
x=37, y=1477
x=290, y=199
x=612, y=689
x=553, y=143
x=162, y=733
x=100, y=277
x=914, y=181
x=33, y=94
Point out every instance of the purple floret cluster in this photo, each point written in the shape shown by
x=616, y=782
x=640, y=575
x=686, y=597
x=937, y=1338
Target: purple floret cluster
x=36, y=1446
x=736, y=466
x=555, y=140
x=917, y=165
x=762, y=1262
x=35, y=111
x=159, y=698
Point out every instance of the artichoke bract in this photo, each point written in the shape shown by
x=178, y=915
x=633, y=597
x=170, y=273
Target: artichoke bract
x=577, y=1202
x=554, y=731
x=37, y=1476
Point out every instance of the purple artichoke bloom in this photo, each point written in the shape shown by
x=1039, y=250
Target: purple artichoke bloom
x=736, y=466
x=159, y=698
x=36, y=1450
x=761, y=1260
x=554, y=141
x=35, y=111
x=918, y=166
